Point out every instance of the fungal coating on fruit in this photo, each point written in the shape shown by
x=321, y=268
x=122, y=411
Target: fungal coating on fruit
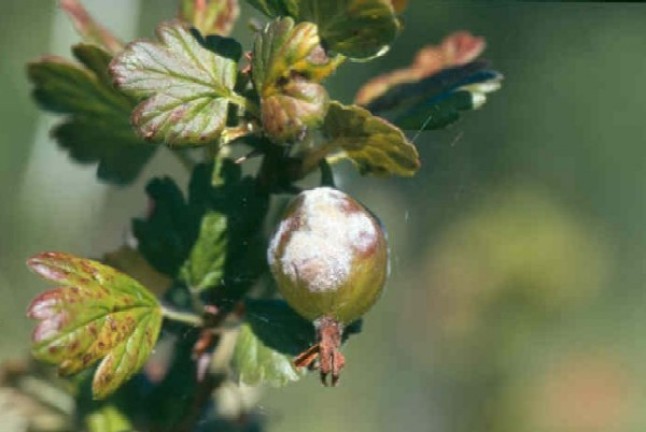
x=329, y=256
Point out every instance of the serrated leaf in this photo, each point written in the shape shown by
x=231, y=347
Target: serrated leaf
x=187, y=88
x=91, y=31
x=97, y=127
x=96, y=314
x=288, y=62
x=210, y=16
x=354, y=28
x=373, y=144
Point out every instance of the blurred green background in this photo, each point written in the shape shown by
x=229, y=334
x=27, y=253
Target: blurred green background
x=517, y=297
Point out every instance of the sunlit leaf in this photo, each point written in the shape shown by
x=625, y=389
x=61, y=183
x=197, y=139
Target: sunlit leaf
x=288, y=62
x=91, y=31
x=107, y=418
x=373, y=144
x=210, y=16
x=97, y=126
x=187, y=88
x=354, y=28
x=97, y=313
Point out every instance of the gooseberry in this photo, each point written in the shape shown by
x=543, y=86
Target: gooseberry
x=329, y=257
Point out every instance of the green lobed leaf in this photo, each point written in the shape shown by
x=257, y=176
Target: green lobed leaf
x=97, y=126
x=204, y=267
x=186, y=87
x=354, y=28
x=288, y=62
x=229, y=250
x=210, y=16
x=373, y=144
x=97, y=313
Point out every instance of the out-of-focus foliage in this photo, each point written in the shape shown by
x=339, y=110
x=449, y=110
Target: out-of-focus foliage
x=97, y=127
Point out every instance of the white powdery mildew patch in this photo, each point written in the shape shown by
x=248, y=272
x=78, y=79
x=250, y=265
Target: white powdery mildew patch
x=321, y=252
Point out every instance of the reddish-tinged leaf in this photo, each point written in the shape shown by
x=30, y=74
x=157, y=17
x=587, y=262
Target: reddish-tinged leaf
x=97, y=313
x=288, y=63
x=187, y=88
x=91, y=31
x=457, y=49
x=210, y=16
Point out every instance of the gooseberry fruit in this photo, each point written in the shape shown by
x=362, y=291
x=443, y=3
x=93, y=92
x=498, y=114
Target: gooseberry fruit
x=329, y=257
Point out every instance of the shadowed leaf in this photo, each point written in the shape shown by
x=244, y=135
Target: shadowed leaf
x=229, y=252
x=373, y=144
x=270, y=339
x=443, y=81
x=456, y=49
x=96, y=313
x=210, y=16
x=97, y=127
x=166, y=235
x=187, y=88
x=255, y=363
x=288, y=62
x=91, y=31
x=212, y=239
x=354, y=28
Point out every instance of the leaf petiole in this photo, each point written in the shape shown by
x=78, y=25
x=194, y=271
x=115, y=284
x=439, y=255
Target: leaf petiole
x=187, y=318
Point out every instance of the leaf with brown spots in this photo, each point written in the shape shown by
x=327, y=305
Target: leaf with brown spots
x=186, y=83
x=96, y=313
x=374, y=145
